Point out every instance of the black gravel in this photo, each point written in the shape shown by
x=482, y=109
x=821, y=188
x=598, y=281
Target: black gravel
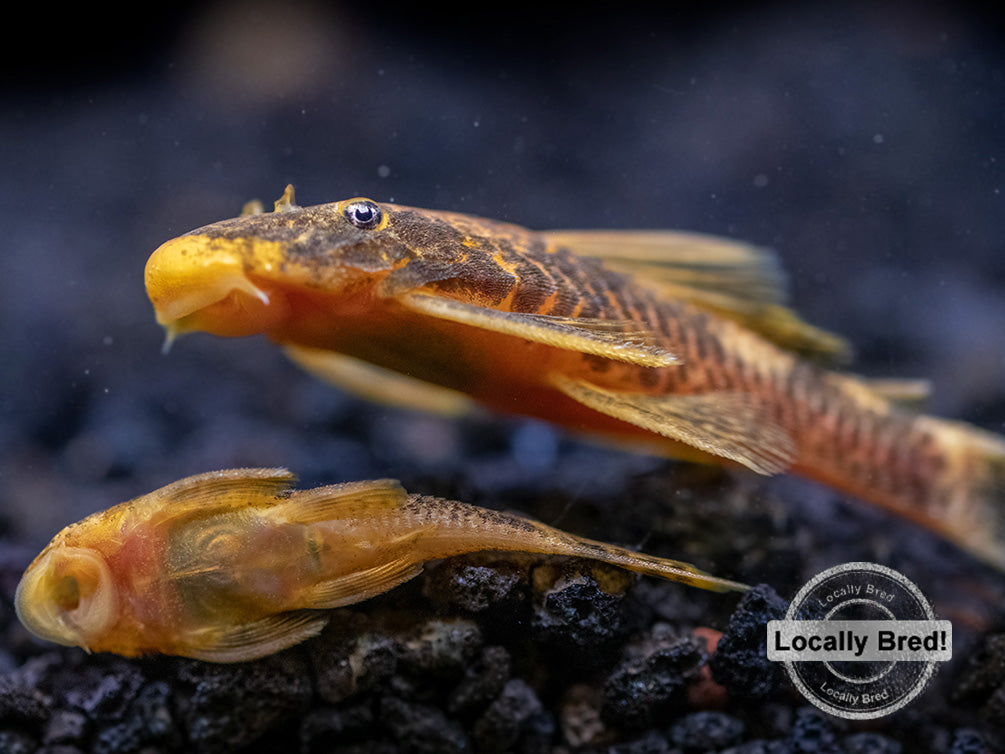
x=862, y=143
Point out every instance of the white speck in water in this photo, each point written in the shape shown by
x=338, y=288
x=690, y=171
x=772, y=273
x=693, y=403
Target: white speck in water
x=760, y=180
x=108, y=340
x=877, y=138
x=383, y=171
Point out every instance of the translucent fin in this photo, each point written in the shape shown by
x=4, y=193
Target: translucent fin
x=975, y=516
x=346, y=500
x=253, y=207
x=691, y=260
x=216, y=492
x=287, y=201
x=735, y=280
x=361, y=585
x=377, y=384
x=254, y=640
x=907, y=393
x=620, y=341
x=728, y=425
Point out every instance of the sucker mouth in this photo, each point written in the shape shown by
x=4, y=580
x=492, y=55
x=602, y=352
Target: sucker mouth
x=242, y=309
x=199, y=282
x=196, y=299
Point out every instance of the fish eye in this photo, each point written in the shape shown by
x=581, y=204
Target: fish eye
x=363, y=213
x=68, y=597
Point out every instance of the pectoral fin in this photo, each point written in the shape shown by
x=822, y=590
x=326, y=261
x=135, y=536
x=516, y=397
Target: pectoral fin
x=621, y=341
x=254, y=640
x=216, y=492
x=361, y=585
x=730, y=425
x=377, y=384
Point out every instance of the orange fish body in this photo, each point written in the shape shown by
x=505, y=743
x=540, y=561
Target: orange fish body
x=232, y=565
x=675, y=342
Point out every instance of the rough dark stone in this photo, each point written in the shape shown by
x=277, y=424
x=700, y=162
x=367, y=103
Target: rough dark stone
x=147, y=722
x=968, y=741
x=22, y=704
x=352, y=660
x=421, y=728
x=651, y=743
x=706, y=731
x=325, y=728
x=813, y=732
x=65, y=726
x=105, y=690
x=507, y=718
x=478, y=583
x=440, y=647
x=759, y=746
x=15, y=742
x=483, y=680
x=982, y=686
x=233, y=706
x=870, y=743
x=577, y=610
x=740, y=661
x=649, y=683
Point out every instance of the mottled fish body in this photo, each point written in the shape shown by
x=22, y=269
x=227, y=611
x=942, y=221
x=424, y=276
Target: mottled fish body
x=676, y=342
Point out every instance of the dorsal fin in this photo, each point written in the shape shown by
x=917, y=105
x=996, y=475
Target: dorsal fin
x=346, y=500
x=735, y=280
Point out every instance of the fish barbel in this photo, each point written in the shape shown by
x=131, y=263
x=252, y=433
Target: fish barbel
x=677, y=343
x=232, y=565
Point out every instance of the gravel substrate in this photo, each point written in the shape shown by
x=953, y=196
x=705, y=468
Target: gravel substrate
x=864, y=145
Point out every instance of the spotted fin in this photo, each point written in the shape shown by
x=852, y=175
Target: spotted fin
x=253, y=640
x=733, y=279
x=620, y=341
x=729, y=425
x=377, y=384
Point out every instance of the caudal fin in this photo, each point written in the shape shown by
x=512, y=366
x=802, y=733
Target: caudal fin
x=975, y=516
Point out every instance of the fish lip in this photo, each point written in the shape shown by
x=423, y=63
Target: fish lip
x=35, y=617
x=171, y=312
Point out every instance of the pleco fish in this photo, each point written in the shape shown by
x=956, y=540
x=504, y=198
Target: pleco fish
x=675, y=342
x=233, y=565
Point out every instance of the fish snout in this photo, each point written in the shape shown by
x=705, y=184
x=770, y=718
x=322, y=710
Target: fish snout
x=200, y=282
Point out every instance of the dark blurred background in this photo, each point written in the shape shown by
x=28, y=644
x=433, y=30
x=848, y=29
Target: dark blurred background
x=865, y=142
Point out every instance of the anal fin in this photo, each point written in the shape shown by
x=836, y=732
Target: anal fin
x=730, y=425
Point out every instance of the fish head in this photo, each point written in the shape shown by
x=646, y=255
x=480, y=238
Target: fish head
x=67, y=596
x=253, y=273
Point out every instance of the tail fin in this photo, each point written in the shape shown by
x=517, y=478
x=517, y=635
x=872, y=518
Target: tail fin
x=975, y=516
